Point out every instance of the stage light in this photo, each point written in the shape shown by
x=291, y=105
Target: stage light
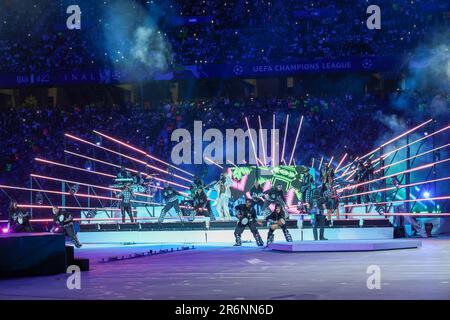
x=141, y=151
x=125, y=156
x=395, y=139
x=426, y=194
x=391, y=175
x=5, y=230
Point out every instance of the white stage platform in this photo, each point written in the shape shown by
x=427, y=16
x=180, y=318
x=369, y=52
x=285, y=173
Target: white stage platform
x=227, y=236
x=345, y=245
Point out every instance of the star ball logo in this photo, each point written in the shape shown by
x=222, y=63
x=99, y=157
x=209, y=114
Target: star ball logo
x=367, y=64
x=238, y=69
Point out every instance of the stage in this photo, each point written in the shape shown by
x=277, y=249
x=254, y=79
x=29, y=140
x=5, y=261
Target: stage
x=345, y=245
x=225, y=235
x=220, y=271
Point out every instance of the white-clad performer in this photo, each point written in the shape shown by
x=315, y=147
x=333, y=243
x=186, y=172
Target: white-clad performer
x=223, y=195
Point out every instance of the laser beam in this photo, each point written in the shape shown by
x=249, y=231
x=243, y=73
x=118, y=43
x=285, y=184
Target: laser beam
x=127, y=157
x=340, y=162
x=285, y=136
x=395, y=201
x=251, y=140
x=262, y=140
x=142, y=152
x=394, y=174
x=296, y=139
x=395, y=188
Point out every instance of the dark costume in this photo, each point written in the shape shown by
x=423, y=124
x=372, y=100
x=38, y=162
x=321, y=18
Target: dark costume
x=19, y=221
x=125, y=205
x=273, y=196
x=63, y=223
x=201, y=205
x=307, y=183
x=278, y=220
x=170, y=196
x=316, y=210
x=247, y=217
x=327, y=175
x=257, y=194
x=200, y=200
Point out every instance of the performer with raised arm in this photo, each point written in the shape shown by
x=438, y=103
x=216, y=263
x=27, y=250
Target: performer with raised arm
x=277, y=220
x=18, y=221
x=257, y=196
x=170, y=196
x=126, y=195
x=63, y=223
x=196, y=184
x=247, y=217
x=223, y=195
x=201, y=204
x=200, y=199
x=274, y=195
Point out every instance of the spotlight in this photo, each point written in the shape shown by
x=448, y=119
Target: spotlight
x=5, y=230
x=88, y=165
x=426, y=194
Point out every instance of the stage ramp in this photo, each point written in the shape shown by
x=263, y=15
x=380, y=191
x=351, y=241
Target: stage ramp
x=345, y=245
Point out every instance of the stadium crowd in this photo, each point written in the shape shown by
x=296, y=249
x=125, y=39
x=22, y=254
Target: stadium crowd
x=225, y=31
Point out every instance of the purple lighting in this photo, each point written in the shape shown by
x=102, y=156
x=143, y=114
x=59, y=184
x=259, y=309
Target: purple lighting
x=5, y=230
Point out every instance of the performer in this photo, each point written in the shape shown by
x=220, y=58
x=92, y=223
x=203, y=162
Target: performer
x=307, y=183
x=201, y=205
x=331, y=200
x=63, y=222
x=274, y=195
x=223, y=195
x=197, y=183
x=316, y=208
x=247, y=217
x=257, y=195
x=361, y=176
x=327, y=174
x=370, y=174
x=123, y=173
x=170, y=196
x=18, y=221
x=278, y=220
x=126, y=195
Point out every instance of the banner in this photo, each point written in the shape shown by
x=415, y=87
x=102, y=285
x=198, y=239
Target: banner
x=205, y=71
